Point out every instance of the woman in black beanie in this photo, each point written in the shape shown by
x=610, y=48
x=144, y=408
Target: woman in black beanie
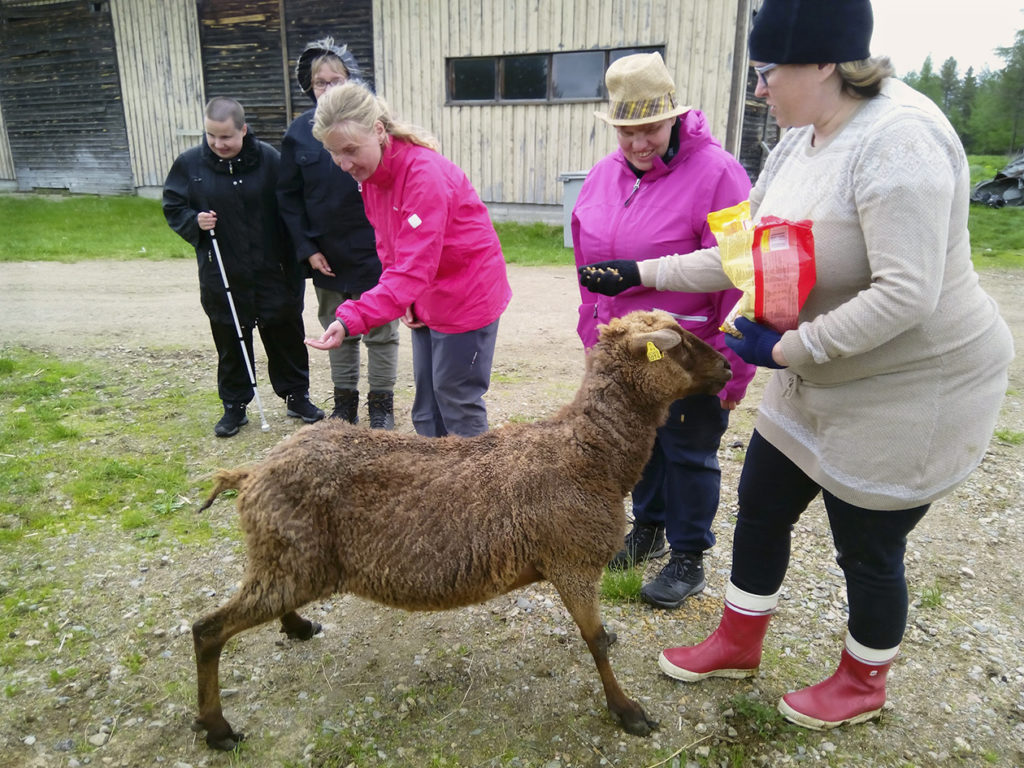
x=888, y=391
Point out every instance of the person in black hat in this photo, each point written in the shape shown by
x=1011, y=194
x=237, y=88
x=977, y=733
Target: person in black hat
x=323, y=210
x=886, y=395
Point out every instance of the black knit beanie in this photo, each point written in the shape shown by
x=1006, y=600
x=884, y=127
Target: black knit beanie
x=811, y=31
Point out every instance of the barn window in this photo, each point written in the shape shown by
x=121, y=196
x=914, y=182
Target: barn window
x=543, y=77
x=473, y=79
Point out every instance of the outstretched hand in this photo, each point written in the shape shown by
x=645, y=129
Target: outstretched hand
x=331, y=338
x=610, y=277
x=756, y=345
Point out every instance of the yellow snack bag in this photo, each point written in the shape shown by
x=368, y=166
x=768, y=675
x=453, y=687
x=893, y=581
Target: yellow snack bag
x=772, y=262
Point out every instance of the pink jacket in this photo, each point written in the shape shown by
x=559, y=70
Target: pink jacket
x=621, y=216
x=435, y=240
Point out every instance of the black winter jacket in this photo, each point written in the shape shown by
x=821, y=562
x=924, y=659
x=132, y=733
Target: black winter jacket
x=323, y=209
x=265, y=282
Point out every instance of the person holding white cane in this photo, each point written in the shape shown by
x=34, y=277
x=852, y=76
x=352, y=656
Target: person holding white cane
x=247, y=277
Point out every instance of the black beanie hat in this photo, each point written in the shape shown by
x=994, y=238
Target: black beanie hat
x=811, y=31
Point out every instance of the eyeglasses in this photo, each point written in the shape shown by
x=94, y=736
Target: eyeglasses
x=323, y=85
x=762, y=70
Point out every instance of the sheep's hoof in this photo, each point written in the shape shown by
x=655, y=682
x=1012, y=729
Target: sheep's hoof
x=226, y=741
x=305, y=632
x=636, y=721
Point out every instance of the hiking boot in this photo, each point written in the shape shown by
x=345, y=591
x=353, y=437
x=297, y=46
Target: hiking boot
x=233, y=418
x=643, y=543
x=346, y=405
x=681, y=577
x=382, y=409
x=299, y=407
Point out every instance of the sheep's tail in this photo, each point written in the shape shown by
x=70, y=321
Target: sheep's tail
x=224, y=480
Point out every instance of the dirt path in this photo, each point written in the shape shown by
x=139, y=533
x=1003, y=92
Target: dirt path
x=508, y=683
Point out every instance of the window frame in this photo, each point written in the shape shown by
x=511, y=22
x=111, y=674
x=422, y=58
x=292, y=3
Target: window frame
x=499, y=72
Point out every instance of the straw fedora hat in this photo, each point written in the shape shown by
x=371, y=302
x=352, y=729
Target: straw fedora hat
x=640, y=90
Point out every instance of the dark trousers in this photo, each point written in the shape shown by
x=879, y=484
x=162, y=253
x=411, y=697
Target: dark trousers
x=452, y=372
x=870, y=544
x=681, y=481
x=287, y=358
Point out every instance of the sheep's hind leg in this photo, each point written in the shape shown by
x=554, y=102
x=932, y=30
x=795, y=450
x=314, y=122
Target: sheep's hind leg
x=298, y=628
x=250, y=607
x=580, y=598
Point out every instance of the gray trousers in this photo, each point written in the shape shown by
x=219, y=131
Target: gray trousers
x=452, y=372
x=381, y=348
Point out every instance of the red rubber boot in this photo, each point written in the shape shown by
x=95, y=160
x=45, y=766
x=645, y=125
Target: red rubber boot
x=854, y=694
x=734, y=649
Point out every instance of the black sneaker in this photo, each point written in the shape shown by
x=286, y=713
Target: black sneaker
x=233, y=418
x=682, y=577
x=346, y=405
x=382, y=409
x=299, y=407
x=643, y=543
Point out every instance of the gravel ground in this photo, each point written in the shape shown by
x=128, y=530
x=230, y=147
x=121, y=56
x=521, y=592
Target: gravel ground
x=509, y=682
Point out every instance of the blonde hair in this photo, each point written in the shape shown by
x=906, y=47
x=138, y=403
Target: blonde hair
x=354, y=103
x=863, y=79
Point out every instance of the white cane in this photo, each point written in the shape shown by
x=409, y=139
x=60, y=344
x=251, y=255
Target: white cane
x=238, y=327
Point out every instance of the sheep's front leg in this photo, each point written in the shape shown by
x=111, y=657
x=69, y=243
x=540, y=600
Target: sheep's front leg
x=580, y=597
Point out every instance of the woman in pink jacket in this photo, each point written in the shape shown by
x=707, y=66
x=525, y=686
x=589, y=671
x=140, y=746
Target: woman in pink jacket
x=650, y=197
x=443, y=269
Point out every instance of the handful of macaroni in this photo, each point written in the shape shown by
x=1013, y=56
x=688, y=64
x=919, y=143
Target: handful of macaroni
x=772, y=262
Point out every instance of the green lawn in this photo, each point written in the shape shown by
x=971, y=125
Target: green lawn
x=73, y=228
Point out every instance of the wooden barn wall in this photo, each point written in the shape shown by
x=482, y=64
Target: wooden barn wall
x=349, y=22
x=241, y=44
x=515, y=153
x=162, y=82
x=6, y=161
x=61, y=97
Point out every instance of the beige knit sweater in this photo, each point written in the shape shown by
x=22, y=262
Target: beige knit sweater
x=899, y=364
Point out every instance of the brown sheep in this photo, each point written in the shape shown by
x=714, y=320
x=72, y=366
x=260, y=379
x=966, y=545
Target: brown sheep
x=430, y=524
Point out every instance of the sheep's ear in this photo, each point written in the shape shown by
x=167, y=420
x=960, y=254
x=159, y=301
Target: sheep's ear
x=655, y=343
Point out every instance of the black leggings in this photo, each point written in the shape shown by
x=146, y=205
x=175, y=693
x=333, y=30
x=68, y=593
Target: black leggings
x=870, y=544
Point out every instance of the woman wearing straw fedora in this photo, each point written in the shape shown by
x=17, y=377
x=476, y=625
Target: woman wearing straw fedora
x=649, y=197
x=887, y=393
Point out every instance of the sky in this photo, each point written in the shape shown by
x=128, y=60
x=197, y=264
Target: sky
x=907, y=31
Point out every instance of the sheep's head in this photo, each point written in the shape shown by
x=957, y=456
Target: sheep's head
x=664, y=360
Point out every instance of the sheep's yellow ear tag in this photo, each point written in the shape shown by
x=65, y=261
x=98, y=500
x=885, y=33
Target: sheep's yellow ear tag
x=653, y=353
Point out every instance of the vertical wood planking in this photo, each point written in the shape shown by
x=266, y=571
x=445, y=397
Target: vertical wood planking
x=158, y=54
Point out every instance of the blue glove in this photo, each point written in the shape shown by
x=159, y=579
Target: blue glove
x=757, y=343
x=610, y=277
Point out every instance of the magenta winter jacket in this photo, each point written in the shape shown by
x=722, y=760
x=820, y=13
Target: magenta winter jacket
x=439, y=250
x=621, y=216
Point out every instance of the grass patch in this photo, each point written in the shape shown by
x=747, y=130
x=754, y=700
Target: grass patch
x=1009, y=436
x=622, y=586
x=931, y=596
x=535, y=244
x=72, y=228
x=997, y=237
x=985, y=167
x=77, y=448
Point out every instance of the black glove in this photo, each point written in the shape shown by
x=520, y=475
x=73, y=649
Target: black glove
x=756, y=345
x=610, y=277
